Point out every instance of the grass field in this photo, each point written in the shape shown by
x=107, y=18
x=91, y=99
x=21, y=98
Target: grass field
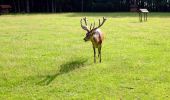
x=44, y=57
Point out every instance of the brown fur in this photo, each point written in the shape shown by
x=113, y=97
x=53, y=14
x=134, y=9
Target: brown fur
x=97, y=38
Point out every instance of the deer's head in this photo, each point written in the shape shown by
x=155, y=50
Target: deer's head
x=91, y=30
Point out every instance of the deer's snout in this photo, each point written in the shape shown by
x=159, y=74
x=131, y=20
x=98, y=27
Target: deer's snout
x=85, y=39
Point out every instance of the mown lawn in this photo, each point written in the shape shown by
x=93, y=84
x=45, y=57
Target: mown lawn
x=44, y=57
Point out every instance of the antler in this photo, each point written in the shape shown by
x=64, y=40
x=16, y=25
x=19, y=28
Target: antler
x=92, y=26
x=100, y=24
x=84, y=27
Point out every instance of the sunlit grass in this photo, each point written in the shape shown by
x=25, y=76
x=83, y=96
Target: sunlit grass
x=44, y=57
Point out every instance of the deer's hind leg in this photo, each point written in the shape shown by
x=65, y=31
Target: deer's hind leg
x=99, y=54
x=94, y=54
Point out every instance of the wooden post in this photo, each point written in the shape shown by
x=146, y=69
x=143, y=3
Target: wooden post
x=143, y=12
x=141, y=17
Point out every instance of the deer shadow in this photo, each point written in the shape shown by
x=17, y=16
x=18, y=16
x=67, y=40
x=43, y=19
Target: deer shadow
x=64, y=68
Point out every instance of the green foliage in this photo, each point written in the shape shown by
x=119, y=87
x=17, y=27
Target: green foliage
x=44, y=57
x=22, y=6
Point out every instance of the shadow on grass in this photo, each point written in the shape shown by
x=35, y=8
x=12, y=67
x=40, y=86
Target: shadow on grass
x=64, y=68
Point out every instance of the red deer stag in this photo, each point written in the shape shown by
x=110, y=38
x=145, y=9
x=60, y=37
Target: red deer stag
x=95, y=35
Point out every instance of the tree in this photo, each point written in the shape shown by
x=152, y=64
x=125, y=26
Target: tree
x=28, y=6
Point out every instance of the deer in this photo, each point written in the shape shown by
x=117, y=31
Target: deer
x=94, y=34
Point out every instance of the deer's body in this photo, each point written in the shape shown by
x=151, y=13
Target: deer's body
x=97, y=38
x=94, y=35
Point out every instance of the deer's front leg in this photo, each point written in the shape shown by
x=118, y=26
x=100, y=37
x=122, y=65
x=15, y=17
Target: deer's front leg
x=94, y=54
x=99, y=53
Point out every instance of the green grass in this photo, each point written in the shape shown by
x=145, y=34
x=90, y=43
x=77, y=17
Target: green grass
x=43, y=56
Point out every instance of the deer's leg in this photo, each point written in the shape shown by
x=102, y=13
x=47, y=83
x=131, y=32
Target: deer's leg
x=99, y=53
x=94, y=54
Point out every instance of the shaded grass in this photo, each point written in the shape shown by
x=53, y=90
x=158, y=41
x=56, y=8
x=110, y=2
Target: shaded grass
x=64, y=68
x=44, y=57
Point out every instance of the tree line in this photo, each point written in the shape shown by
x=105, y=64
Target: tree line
x=27, y=6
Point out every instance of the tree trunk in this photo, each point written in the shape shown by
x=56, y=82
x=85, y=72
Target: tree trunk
x=28, y=6
x=55, y=6
x=82, y=5
x=19, y=10
x=48, y=6
x=52, y=6
x=15, y=8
